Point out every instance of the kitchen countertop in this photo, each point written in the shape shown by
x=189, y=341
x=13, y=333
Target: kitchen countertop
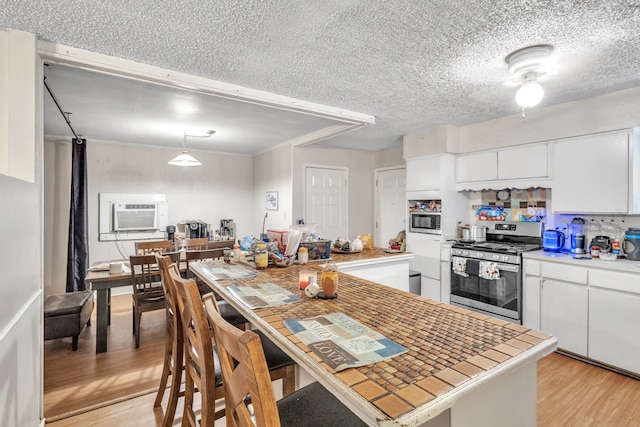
x=565, y=258
x=370, y=256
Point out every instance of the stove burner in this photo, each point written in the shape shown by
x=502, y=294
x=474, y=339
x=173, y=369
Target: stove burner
x=499, y=247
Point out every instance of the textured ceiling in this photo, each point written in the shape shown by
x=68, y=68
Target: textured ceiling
x=412, y=64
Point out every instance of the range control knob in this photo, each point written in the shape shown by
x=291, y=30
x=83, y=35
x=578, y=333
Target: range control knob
x=496, y=257
x=480, y=255
x=465, y=253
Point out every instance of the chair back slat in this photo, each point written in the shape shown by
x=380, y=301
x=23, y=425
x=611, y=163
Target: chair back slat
x=144, y=277
x=152, y=247
x=199, y=357
x=245, y=374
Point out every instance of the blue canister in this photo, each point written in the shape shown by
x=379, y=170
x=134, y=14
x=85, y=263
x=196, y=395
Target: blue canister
x=631, y=245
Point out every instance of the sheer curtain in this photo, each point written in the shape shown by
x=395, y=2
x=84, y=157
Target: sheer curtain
x=78, y=249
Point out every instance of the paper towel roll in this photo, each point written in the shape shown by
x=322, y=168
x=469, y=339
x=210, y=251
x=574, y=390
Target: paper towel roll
x=115, y=267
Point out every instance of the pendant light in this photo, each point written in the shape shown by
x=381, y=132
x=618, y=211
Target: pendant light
x=184, y=158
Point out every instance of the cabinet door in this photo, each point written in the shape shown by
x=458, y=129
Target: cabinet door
x=445, y=282
x=563, y=314
x=614, y=321
x=591, y=174
x=430, y=288
x=478, y=167
x=531, y=302
x=423, y=174
x=529, y=161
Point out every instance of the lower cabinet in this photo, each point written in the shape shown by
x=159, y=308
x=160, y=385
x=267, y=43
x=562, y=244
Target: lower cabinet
x=614, y=324
x=564, y=314
x=594, y=312
x=430, y=288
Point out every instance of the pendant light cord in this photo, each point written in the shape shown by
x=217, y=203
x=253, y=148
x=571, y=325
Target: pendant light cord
x=64, y=115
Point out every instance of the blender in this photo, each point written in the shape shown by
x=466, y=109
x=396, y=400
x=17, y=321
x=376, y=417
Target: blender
x=577, y=236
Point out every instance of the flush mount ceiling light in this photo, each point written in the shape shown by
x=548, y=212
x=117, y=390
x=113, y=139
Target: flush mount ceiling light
x=527, y=65
x=186, y=159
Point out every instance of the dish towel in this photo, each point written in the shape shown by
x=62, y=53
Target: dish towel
x=473, y=267
x=459, y=266
x=489, y=270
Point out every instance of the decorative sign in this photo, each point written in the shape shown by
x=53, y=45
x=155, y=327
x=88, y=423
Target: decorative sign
x=272, y=200
x=343, y=342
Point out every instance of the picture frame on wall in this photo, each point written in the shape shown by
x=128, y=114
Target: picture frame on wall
x=272, y=200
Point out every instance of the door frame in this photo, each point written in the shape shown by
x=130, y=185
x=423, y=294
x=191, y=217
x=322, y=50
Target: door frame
x=376, y=218
x=305, y=167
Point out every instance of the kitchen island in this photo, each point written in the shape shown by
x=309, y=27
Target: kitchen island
x=377, y=264
x=461, y=368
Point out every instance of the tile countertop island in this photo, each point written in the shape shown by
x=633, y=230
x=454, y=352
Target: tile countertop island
x=461, y=368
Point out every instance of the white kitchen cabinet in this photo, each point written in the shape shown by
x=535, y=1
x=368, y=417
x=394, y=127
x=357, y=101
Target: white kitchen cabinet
x=531, y=294
x=423, y=173
x=521, y=166
x=592, y=174
x=614, y=322
x=527, y=161
x=563, y=314
x=430, y=288
x=614, y=318
x=482, y=166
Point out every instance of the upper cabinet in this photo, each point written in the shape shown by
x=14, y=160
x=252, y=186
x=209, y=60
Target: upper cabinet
x=529, y=161
x=476, y=167
x=594, y=174
x=514, y=167
x=423, y=173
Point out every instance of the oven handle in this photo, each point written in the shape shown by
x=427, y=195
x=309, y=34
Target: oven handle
x=509, y=267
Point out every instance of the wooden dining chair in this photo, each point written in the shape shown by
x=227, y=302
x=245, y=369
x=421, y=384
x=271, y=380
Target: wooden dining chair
x=247, y=382
x=147, y=247
x=202, y=369
x=195, y=244
x=173, y=363
x=147, y=289
x=230, y=314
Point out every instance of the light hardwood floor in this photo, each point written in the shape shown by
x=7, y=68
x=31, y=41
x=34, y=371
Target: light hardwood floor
x=120, y=385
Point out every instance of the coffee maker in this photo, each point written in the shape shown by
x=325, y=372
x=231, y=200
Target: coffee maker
x=195, y=230
x=227, y=229
x=578, y=238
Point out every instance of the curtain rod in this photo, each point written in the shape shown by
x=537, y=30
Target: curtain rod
x=64, y=115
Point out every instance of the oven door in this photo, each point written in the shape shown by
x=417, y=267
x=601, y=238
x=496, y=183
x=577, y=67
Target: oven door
x=500, y=297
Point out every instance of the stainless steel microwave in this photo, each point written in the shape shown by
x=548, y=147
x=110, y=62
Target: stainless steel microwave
x=425, y=222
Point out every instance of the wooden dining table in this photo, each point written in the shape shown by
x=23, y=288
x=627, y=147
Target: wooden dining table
x=461, y=369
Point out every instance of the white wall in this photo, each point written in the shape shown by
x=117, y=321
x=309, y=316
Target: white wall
x=612, y=111
x=272, y=172
x=221, y=188
x=21, y=229
x=361, y=182
x=389, y=157
x=617, y=110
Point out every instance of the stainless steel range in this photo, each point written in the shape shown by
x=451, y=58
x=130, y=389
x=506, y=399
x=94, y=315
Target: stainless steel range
x=487, y=276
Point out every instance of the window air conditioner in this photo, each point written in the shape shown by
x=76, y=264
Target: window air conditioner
x=135, y=216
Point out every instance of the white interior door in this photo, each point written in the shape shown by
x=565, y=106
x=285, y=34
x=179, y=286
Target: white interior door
x=326, y=201
x=391, y=209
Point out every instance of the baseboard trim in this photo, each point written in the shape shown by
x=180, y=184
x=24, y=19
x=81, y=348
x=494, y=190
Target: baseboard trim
x=101, y=405
x=599, y=364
